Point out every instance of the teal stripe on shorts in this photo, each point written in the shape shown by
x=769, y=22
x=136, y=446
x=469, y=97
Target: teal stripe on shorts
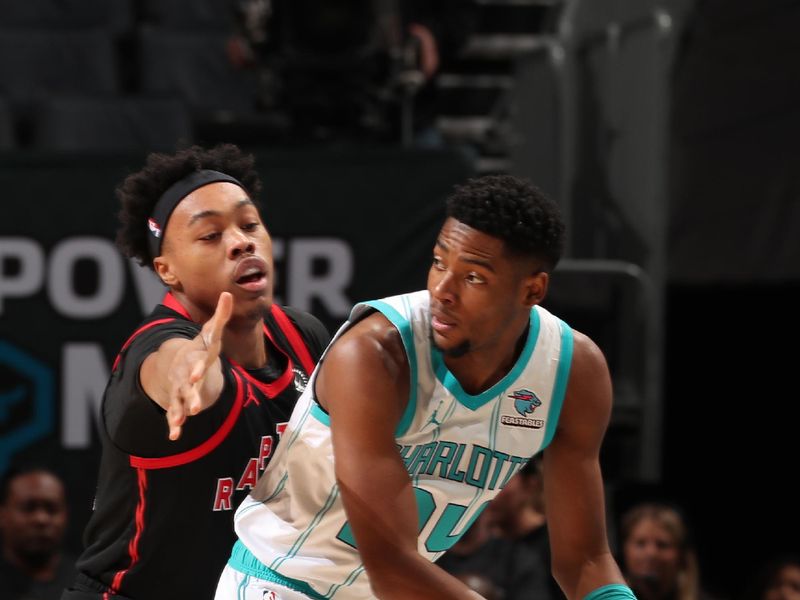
x=245, y=562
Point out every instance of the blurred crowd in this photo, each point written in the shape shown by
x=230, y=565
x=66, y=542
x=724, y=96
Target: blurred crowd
x=504, y=555
x=365, y=70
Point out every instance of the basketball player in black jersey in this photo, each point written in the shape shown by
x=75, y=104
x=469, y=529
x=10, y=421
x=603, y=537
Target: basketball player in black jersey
x=200, y=391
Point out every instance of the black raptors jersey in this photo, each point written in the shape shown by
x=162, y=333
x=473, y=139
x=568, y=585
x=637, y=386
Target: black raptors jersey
x=162, y=524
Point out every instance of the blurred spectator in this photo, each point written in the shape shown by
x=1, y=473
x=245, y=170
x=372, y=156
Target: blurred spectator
x=658, y=559
x=33, y=520
x=508, y=543
x=350, y=68
x=440, y=30
x=778, y=579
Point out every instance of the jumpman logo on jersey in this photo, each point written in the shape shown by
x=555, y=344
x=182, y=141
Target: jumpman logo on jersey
x=251, y=397
x=434, y=418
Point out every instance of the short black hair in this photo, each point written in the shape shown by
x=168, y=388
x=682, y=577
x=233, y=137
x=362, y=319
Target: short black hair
x=514, y=210
x=15, y=471
x=139, y=191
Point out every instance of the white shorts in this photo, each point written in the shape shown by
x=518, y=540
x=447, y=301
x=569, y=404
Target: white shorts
x=234, y=585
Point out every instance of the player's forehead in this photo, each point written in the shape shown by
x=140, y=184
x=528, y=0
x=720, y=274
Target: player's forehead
x=219, y=198
x=460, y=238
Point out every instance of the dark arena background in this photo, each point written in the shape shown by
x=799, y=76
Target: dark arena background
x=667, y=131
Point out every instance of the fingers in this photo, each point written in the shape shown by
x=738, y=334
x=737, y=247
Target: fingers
x=185, y=402
x=175, y=419
x=213, y=328
x=194, y=401
x=211, y=335
x=197, y=371
x=191, y=367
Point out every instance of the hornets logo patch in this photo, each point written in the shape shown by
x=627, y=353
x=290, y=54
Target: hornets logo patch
x=525, y=402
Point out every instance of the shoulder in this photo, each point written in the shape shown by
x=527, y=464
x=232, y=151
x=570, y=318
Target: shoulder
x=163, y=318
x=372, y=338
x=587, y=403
x=588, y=361
x=161, y=325
x=367, y=361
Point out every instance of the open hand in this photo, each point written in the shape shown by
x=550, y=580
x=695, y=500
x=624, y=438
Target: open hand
x=192, y=366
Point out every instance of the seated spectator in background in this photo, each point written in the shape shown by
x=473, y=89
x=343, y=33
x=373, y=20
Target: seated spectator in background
x=33, y=520
x=658, y=559
x=507, y=544
x=778, y=579
x=350, y=69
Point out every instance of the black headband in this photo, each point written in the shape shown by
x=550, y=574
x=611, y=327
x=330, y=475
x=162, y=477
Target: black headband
x=157, y=223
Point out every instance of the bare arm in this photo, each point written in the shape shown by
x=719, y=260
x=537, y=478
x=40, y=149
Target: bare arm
x=185, y=376
x=573, y=485
x=364, y=384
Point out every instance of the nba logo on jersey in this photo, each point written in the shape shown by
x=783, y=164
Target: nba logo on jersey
x=270, y=595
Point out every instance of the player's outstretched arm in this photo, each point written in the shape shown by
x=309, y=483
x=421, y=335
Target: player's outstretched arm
x=185, y=376
x=573, y=486
x=364, y=384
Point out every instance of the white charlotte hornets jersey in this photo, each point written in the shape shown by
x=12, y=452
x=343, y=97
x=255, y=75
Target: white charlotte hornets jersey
x=460, y=450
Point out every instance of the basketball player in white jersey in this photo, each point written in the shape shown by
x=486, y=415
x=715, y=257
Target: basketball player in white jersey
x=422, y=408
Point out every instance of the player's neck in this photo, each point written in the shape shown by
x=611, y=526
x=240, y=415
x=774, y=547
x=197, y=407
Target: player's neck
x=481, y=368
x=246, y=345
x=471, y=373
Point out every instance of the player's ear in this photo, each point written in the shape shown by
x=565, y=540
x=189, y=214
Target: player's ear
x=164, y=271
x=535, y=288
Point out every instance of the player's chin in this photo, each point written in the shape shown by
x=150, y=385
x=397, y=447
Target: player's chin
x=251, y=305
x=439, y=341
x=449, y=346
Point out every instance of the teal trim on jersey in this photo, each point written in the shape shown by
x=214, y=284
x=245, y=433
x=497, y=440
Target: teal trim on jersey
x=495, y=424
x=403, y=325
x=296, y=433
x=278, y=488
x=560, y=384
x=347, y=582
x=612, y=591
x=289, y=442
x=258, y=502
x=332, y=496
x=240, y=591
x=493, y=446
x=447, y=379
x=319, y=414
x=245, y=562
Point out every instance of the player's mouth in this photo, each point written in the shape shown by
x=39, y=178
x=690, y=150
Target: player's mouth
x=251, y=274
x=441, y=323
